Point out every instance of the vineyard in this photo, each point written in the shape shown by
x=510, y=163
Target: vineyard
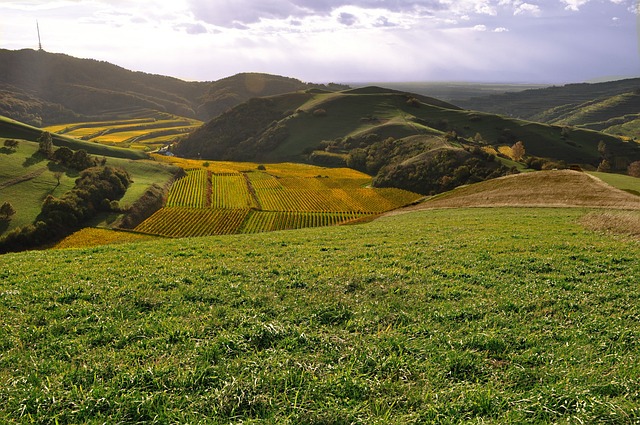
x=216, y=198
x=149, y=132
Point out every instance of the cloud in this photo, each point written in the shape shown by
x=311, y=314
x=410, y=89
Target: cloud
x=480, y=28
x=527, y=9
x=193, y=28
x=574, y=5
x=501, y=29
x=347, y=19
x=383, y=21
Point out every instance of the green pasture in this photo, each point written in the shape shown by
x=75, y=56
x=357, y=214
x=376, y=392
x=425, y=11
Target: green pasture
x=620, y=181
x=26, y=179
x=445, y=316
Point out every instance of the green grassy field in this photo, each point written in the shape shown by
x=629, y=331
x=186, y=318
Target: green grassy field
x=447, y=316
x=26, y=179
x=626, y=183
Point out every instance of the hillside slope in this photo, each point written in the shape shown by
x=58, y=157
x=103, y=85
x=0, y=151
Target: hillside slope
x=561, y=188
x=452, y=316
x=599, y=106
x=44, y=88
x=405, y=140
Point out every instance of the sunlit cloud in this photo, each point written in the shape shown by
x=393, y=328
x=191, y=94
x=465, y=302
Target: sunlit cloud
x=339, y=40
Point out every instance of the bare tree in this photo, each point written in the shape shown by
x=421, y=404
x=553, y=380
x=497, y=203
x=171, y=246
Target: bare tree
x=58, y=175
x=517, y=151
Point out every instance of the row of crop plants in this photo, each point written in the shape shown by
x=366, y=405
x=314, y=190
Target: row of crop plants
x=186, y=222
x=230, y=191
x=189, y=222
x=266, y=221
x=190, y=191
x=213, y=203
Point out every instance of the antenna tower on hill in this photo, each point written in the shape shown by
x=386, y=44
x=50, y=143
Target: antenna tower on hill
x=39, y=41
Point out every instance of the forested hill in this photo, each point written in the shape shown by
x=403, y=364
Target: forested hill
x=42, y=88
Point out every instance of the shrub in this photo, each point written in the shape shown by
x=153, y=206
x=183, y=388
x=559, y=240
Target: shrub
x=6, y=211
x=11, y=143
x=634, y=169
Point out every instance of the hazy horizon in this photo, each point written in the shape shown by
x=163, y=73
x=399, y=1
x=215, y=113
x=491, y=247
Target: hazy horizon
x=476, y=41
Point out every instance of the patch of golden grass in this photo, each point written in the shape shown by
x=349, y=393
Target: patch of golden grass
x=490, y=150
x=618, y=222
x=90, y=236
x=559, y=188
x=506, y=151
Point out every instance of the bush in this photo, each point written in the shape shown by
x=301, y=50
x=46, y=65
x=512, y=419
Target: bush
x=634, y=169
x=6, y=211
x=10, y=143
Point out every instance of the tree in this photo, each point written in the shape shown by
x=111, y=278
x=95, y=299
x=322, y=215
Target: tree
x=45, y=144
x=58, y=175
x=604, y=166
x=81, y=160
x=517, y=151
x=6, y=211
x=63, y=155
x=603, y=150
x=634, y=169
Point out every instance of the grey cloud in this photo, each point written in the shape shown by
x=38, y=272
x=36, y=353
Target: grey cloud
x=194, y=28
x=230, y=13
x=383, y=21
x=347, y=19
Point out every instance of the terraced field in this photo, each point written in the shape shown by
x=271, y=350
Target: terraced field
x=149, y=132
x=216, y=198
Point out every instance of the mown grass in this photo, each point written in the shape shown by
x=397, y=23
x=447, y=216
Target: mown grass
x=447, y=316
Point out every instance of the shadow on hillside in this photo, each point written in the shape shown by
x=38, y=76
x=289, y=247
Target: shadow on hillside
x=69, y=172
x=6, y=151
x=4, y=225
x=33, y=160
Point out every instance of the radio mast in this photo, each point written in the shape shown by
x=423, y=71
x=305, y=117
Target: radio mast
x=39, y=41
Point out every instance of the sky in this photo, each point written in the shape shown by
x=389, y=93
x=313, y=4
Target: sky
x=341, y=41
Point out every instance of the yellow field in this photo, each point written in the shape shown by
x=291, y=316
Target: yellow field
x=139, y=131
x=90, y=236
x=285, y=169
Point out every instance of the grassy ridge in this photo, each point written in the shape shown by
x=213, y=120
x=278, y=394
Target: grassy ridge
x=432, y=317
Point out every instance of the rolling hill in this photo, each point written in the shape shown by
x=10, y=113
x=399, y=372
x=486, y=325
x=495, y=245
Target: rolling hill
x=558, y=188
x=43, y=88
x=405, y=140
x=611, y=107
